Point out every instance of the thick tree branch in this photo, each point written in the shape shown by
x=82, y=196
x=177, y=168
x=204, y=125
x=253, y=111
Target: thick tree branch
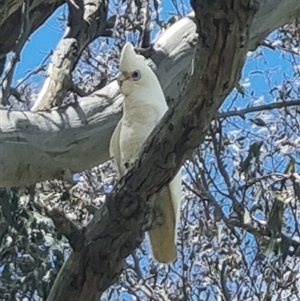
x=118, y=227
x=39, y=146
x=22, y=152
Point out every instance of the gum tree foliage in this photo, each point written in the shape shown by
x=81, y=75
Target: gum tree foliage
x=238, y=237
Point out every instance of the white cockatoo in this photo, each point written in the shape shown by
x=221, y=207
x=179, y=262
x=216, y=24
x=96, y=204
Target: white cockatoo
x=144, y=106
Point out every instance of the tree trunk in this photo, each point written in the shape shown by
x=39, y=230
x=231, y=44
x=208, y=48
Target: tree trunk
x=118, y=226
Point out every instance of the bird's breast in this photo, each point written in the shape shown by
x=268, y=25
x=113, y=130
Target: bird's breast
x=137, y=125
x=132, y=138
x=142, y=111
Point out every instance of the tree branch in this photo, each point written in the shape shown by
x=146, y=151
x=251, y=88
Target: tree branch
x=66, y=227
x=10, y=15
x=45, y=144
x=267, y=107
x=118, y=227
x=24, y=34
x=86, y=23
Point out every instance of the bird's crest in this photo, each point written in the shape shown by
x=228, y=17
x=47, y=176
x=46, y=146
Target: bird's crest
x=129, y=60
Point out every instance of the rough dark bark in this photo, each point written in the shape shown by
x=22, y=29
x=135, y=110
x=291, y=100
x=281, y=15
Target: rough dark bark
x=118, y=227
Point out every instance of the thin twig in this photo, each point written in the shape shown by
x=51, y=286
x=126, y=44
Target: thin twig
x=41, y=67
x=273, y=46
x=271, y=106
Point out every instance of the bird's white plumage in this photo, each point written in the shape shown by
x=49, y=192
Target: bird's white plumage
x=144, y=106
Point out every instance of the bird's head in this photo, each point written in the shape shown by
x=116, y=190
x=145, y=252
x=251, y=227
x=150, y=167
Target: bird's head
x=134, y=71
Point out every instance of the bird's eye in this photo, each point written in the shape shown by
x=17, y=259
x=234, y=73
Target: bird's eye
x=136, y=75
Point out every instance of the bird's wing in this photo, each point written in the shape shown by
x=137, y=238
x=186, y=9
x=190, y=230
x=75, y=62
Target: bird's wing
x=164, y=236
x=114, y=146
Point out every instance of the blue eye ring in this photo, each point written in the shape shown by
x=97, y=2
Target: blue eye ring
x=136, y=75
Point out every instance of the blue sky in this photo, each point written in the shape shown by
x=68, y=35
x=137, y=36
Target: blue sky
x=40, y=44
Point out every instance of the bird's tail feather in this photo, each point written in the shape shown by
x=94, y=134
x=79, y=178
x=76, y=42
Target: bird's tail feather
x=163, y=237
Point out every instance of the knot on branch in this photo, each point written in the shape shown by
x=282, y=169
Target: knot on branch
x=128, y=204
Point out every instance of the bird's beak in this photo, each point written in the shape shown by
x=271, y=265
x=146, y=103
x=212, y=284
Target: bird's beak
x=122, y=77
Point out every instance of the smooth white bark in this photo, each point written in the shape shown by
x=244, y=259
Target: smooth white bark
x=44, y=145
